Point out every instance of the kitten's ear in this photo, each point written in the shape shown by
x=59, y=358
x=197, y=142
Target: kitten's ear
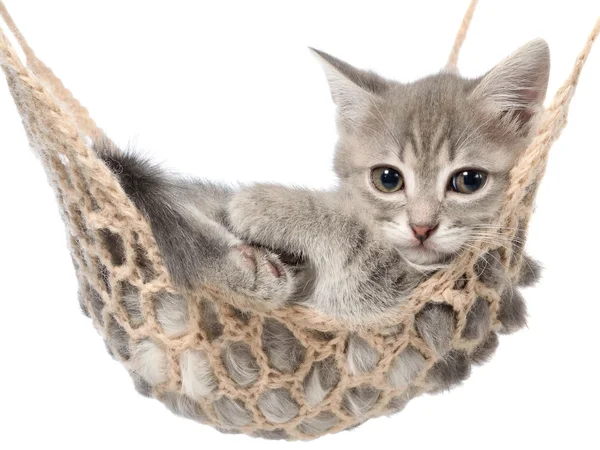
x=352, y=89
x=516, y=88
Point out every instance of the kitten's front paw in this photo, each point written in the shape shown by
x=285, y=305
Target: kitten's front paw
x=257, y=273
x=254, y=214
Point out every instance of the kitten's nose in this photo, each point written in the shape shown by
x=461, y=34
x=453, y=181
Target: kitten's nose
x=422, y=232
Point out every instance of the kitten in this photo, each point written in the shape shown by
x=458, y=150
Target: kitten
x=422, y=169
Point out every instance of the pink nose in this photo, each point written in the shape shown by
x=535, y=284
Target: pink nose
x=422, y=232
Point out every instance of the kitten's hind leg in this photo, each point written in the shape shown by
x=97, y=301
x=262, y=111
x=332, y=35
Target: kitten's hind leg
x=195, y=245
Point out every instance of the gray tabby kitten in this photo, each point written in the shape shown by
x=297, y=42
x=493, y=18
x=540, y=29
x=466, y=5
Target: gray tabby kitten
x=422, y=168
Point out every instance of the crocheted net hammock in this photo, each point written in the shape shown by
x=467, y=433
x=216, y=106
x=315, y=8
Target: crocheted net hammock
x=94, y=206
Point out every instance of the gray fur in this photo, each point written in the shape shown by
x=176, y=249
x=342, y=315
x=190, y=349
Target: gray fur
x=118, y=338
x=97, y=304
x=284, y=351
x=318, y=424
x=405, y=367
x=277, y=405
x=102, y=271
x=231, y=413
x=450, y=371
x=171, y=310
x=362, y=358
x=243, y=317
x=210, y=320
x=360, y=400
x=321, y=335
x=323, y=377
x=398, y=403
x=113, y=243
x=461, y=283
x=490, y=270
x=356, y=252
x=277, y=434
x=484, y=352
x=240, y=363
x=171, y=313
x=149, y=360
x=187, y=220
x=184, y=406
x=130, y=296
x=530, y=274
x=513, y=312
x=82, y=303
x=350, y=236
x=141, y=386
x=197, y=378
x=435, y=324
x=227, y=430
x=147, y=271
x=478, y=321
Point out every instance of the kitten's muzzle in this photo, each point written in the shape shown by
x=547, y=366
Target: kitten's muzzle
x=423, y=232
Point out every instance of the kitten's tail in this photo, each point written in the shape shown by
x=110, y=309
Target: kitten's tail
x=144, y=182
x=159, y=197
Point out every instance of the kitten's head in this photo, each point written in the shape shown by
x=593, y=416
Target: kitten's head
x=430, y=159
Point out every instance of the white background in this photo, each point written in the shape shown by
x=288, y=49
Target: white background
x=228, y=90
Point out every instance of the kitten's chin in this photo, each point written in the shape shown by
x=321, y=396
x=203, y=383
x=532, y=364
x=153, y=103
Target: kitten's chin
x=424, y=256
x=436, y=251
x=433, y=253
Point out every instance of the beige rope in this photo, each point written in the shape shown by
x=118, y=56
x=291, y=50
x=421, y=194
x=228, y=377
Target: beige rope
x=451, y=65
x=80, y=114
x=530, y=169
x=92, y=202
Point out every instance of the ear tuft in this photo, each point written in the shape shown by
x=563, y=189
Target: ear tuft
x=351, y=88
x=516, y=88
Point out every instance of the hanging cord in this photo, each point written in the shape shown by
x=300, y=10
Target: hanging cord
x=451, y=65
x=531, y=167
x=80, y=114
x=523, y=177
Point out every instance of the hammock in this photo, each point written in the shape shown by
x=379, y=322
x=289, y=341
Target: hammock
x=97, y=214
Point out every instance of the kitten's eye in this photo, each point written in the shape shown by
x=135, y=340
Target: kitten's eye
x=467, y=181
x=387, y=179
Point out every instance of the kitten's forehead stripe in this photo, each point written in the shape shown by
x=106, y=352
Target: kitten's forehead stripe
x=405, y=146
x=445, y=150
x=416, y=137
x=428, y=130
x=441, y=135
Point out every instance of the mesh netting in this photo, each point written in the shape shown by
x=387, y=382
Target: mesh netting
x=127, y=292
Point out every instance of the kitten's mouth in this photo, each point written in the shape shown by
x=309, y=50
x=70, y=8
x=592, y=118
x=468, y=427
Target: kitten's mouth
x=423, y=254
x=438, y=249
x=427, y=253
